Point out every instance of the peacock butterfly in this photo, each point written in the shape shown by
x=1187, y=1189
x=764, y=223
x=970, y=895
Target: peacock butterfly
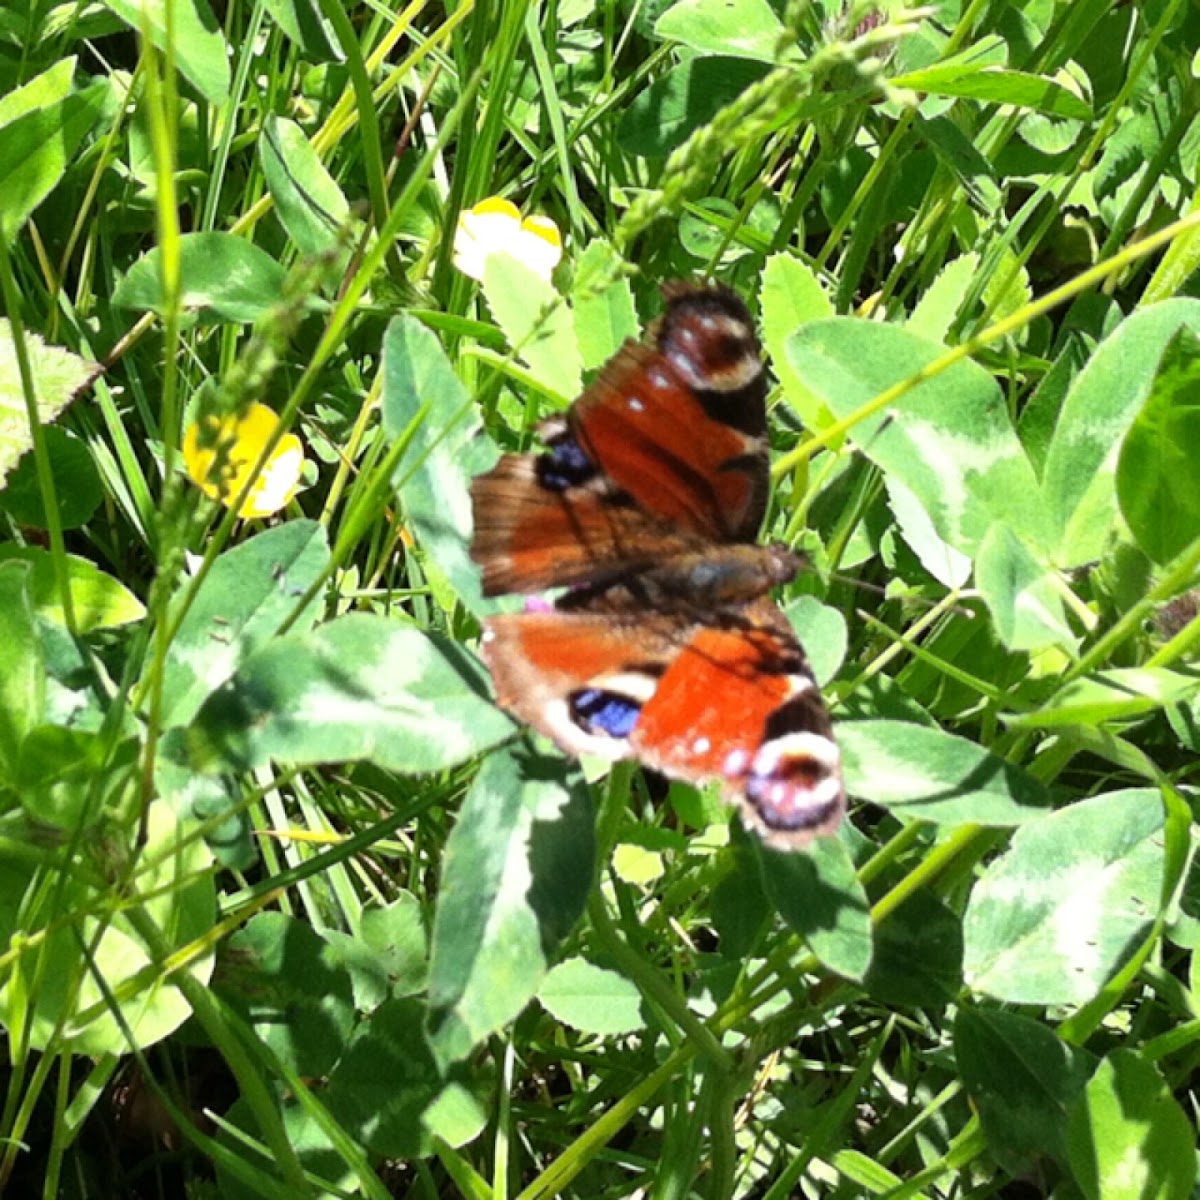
x=664, y=646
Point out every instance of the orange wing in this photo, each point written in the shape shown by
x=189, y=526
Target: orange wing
x=663, y=455
x=734, y=702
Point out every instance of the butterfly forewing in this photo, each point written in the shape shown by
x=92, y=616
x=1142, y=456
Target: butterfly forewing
x=739, y=704
x=656, y=440
x=664, y=454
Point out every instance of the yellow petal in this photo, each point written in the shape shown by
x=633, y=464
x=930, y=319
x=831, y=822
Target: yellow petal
x=538, y=252
x=218, y=458
x=497, y=204
x=544, y=227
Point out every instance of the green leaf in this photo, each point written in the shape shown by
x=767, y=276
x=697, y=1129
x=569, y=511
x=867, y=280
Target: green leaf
x=1129, y=1139
x=50, y=87
x=998, y=85
x=1059, y=913
x=918, y=955
x=948, y=566
x=604, y=318
x=360, y=687
x=305, y=24
x=385, y=1083
x=704, y=225
x=1007, y=289
x=973, y=171
x=100, y=601
x=988, y=50
x=456, y=1115
x=292, y=987
x=424, y=400
x=822, y=632
x=221, y=275
x=244, y=1174
x=216, y=800
x=934, y=776
x=77, y=486
x=675, y=105
x=537, y=322
x=310, y=204
x=395, y=935
x=518, y=868
x=1051, y=136
x=1081, y=463
x=57, y=376
x=1134, y=143
x=173, y=890
x=71, y=778
x=1122, y=693
x=41, y=131
x=949, y=439
x=791, y=295
x=1104, y=743
x=249, y=592
x=1024, y=597
x=1158, y=473
x=1090, y=319
x=386, y=955
x=818, y=895
x=199, y=50
x=738, y=904
x=1179, y=261
x=1022, y=1078
x=22, y=669
x=591, y=999
x=939, y=306
x=739, y=28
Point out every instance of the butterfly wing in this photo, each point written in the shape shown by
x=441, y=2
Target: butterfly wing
x=739, y=703
x=651, y=491
x=540, y=524
x=681, y=425
x=735, y=702
x=580, y=678
x=663, y=455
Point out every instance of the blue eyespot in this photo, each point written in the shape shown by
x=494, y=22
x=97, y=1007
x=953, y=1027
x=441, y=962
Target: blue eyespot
x=564, y=465
x=608, y=713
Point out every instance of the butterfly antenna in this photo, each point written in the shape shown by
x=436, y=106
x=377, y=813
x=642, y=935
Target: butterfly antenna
x=958, y=610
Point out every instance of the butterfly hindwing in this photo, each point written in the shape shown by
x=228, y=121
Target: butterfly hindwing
x=540, y=524
x=735, y=703
x=580, y=678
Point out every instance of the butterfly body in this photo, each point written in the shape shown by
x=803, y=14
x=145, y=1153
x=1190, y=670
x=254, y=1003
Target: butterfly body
x=664, y=647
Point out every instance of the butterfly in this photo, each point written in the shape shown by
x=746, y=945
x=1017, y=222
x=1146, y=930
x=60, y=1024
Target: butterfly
x=664, y=646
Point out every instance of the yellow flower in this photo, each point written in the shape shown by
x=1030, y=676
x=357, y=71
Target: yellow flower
x=219, y=456
x=495, y=224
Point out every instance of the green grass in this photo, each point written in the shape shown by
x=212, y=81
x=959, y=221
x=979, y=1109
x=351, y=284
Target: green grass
x=288, y=908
